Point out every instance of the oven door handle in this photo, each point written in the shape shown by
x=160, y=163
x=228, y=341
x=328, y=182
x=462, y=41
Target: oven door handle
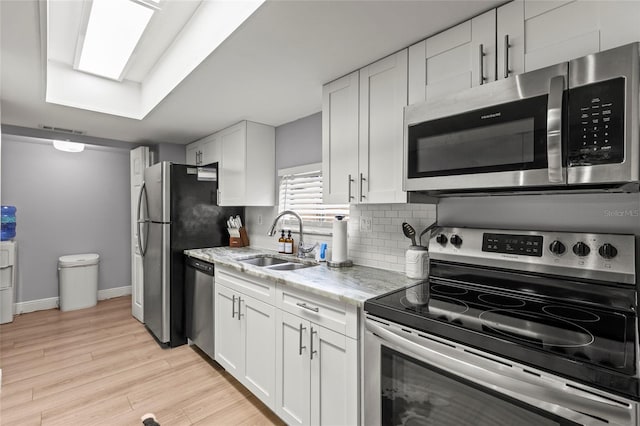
x=554, y=130
x=550, y=397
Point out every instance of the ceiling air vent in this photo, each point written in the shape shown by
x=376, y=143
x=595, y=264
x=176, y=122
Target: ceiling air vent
x=62, y=130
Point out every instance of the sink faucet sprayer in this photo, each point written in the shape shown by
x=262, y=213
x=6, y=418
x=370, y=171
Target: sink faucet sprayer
x=301, y=248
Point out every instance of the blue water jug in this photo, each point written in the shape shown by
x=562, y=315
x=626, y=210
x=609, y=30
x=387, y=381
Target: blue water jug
x=7, y=223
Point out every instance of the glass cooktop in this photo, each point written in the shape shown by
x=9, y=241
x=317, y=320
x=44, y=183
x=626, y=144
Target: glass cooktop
x=573, y=337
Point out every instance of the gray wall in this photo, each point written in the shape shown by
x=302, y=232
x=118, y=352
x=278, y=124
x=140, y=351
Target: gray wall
x=68, y=203
x=297, y=143
x=169, y=152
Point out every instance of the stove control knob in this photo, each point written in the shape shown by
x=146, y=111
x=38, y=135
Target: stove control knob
x=441, y=239
x=581, y=249
x=557, y=248
x=608, y=251
x=456, y=240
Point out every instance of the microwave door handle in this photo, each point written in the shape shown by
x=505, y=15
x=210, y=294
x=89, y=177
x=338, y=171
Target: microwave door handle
x=554, y=129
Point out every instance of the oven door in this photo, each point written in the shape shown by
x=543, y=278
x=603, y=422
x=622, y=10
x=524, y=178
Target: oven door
x=415, y=379
x=507, y=134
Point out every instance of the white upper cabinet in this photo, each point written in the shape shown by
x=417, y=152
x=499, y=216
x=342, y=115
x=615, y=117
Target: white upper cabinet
x=453, y=60
x=383, y=96
x=340, y=139
x=362, y=132
x=246, y=157
x=247, y=165
x=520, y=36
x=559, y=31
x=204, y=151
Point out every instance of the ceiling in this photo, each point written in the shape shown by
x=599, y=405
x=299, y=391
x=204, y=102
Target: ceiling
x=271, y=70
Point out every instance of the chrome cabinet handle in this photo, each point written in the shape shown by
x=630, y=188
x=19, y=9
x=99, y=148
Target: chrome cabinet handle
x=233, y=307
x=482, y=78
x=507, y=71
x=312, y=351
x=351, y=197
x=554, y=129
x=239, y=308
x=300, y=347
x=305, y=306
x=362, y=179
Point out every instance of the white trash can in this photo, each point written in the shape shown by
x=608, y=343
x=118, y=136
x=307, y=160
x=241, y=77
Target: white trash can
x=78, y=281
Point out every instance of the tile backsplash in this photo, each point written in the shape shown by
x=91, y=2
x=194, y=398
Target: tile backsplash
x=385, y=245
x=382, y=247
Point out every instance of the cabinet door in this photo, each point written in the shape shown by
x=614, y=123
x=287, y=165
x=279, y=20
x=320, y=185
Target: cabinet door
x=210, y=148
x=232, y=169
x=383, y=96
x=293, y=376
x=510, y=39
x=558, y=31
x=454, y=60
x=334, y=378
x=340, y=139
x=259, y=348
x=228, y=329
x=139, y=160
x=193, y=154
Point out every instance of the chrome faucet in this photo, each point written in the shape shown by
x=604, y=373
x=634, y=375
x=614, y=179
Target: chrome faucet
x=301, y=248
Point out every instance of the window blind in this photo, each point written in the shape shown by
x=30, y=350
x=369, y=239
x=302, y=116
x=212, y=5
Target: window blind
x=302, y=193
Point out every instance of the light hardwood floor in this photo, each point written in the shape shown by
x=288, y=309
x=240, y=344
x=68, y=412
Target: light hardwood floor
x=99, y=366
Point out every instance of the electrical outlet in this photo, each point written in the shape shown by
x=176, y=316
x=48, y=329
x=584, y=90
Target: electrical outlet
x=365, y=224
x=259, y=219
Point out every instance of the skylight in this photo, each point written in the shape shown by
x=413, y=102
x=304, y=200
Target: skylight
x=113, y=31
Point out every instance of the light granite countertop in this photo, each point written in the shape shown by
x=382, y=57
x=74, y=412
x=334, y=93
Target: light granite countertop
x=353, y=284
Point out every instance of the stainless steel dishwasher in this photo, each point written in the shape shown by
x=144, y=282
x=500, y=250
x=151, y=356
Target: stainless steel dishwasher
x=199, y=280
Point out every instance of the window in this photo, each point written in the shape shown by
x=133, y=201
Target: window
x=300, y=190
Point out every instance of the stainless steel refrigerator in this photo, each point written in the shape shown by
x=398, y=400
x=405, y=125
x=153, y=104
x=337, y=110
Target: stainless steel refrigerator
x=177, y=210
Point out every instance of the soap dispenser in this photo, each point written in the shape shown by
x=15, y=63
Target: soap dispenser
x=281, y=242
x=288, y=245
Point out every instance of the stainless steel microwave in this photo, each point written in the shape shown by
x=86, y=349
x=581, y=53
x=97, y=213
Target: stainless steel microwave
x=574, y=125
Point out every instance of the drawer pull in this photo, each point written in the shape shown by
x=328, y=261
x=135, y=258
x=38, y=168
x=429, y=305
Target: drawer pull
x=305, y=306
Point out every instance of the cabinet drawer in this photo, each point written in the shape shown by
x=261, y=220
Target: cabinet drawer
x=337, y=316
x=257, y=288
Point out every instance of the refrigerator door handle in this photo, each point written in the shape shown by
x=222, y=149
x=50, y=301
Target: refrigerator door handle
x=143, y=248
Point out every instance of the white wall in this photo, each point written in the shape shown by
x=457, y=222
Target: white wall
x=68, y=203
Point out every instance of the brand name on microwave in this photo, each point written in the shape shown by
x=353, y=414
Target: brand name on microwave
x=492, y=115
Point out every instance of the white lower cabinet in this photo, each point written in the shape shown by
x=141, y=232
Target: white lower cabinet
x=293, y=369
x=316, y=373
x=228, y=338
x=245, y=341
x=334, y=378
x=290, y=348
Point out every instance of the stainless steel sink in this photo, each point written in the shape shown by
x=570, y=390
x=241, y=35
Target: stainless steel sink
x=291, y=266
x=264, y=261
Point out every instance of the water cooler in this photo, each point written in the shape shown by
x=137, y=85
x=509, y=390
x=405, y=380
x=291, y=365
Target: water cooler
x=8, y=266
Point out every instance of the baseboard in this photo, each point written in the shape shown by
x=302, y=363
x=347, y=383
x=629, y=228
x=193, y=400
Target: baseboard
x=35, y=305
x=110, y=293
x=53, y=302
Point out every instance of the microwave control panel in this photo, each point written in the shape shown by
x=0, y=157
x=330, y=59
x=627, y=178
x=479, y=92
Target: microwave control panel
x=596, y=123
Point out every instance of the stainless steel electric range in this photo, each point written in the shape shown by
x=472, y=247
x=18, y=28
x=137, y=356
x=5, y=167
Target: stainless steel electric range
x=512, y=328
